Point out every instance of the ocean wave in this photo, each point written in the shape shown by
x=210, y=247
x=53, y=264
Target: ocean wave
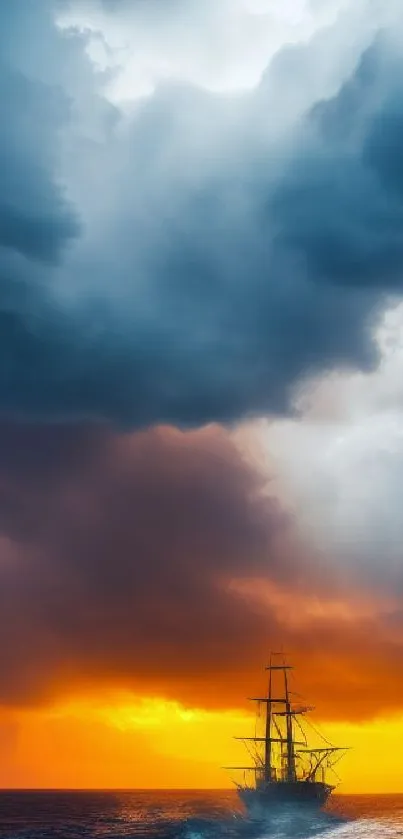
x=281, y=827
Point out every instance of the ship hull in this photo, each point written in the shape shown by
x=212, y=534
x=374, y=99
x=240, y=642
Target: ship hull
x=309, y=794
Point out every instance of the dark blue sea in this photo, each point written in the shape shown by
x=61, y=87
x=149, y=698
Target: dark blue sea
x=188, y=815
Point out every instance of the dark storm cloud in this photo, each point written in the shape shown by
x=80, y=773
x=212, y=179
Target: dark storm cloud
x=340, y=205
x=35, y=219
x=116, y=555
x=204, y=266
x=141, y=561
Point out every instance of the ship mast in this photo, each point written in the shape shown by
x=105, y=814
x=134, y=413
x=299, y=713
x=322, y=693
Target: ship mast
x=279, y=765
x=290, y=742
x=288, y=713
x=267, y=756
x=265, y=766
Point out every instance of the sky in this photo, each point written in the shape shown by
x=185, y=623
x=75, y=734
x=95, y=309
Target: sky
x=201, y=343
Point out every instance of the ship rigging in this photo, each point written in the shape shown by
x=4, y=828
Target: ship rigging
x=284, y=766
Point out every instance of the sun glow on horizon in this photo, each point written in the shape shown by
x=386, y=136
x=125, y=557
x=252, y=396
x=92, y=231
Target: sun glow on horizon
x=149, y=743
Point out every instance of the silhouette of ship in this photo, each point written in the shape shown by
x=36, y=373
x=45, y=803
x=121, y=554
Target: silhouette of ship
x=285, y=770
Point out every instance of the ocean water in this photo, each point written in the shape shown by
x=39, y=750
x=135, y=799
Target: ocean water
x=188, y=815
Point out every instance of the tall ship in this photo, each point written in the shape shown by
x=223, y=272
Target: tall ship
x=285, y=767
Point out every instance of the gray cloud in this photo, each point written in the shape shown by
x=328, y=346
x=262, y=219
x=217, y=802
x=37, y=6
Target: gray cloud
x=36, y=221
x=210, y=261
x=340, y=204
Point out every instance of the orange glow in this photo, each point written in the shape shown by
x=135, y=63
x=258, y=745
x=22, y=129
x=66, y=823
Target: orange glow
x=129, y=742
x=126, y=743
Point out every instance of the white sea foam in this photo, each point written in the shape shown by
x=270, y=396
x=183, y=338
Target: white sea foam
x=361, y=829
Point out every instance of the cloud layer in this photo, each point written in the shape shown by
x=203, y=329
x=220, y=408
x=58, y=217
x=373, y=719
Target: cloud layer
x=160, y=563
x=208, y=257
x=117, y=553
x=192, y=256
